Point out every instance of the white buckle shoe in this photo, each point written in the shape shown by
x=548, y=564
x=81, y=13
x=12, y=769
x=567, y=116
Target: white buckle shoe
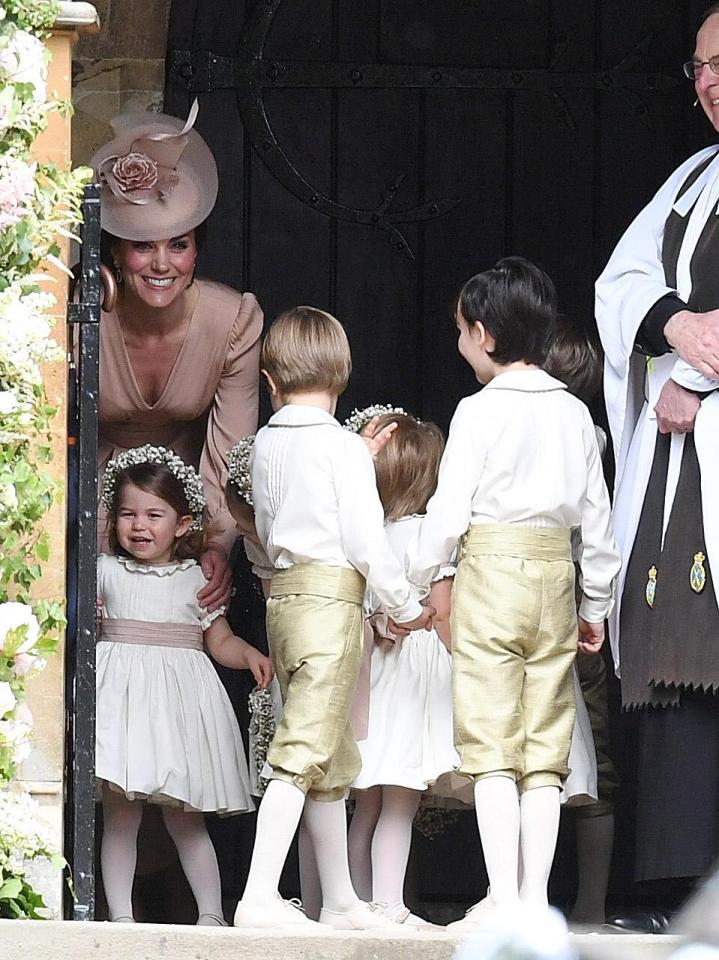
x=362, y=916
x=279, y=914
x=473, y=919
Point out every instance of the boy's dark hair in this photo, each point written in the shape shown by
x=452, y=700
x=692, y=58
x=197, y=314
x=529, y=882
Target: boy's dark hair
x=516, y=302
x=575, y=358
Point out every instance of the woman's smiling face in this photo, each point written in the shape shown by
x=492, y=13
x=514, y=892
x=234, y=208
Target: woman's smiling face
x=156, y=271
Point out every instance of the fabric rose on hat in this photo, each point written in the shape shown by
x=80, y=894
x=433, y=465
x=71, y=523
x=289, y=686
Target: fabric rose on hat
x=135, y=171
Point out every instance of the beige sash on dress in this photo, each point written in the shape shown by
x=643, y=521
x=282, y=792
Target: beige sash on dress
x=185, y=635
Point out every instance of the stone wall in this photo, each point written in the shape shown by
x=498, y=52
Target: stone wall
x=117, y=70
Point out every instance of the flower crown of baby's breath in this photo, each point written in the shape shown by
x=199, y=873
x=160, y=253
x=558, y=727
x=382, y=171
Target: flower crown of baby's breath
x=358, y=419
x=238, y=468
x=187, y=475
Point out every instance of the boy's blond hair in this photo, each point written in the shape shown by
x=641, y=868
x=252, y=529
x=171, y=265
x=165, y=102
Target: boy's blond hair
x=307, y=349
x=407, y=466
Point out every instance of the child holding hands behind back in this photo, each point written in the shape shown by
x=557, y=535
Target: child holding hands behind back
x=320, y=520
x=520, y=470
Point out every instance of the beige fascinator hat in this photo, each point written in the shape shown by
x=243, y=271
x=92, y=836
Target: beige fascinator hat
x=158, y=176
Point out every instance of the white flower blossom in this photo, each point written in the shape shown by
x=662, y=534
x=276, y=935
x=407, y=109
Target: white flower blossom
x=12, y=616
x=26, y=664
x=8, y=402
x=7, y=698
x=25, y=328
x=22, y=60
x=22, y=838
x=17, y=187
x=8, y=498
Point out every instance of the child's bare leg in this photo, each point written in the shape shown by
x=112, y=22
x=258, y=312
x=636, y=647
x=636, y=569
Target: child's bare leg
x=368, y=804
x=496, y=803
x=326, y=823
x=118, y=855
x=390, y=846
x=310, y=890
x=539, y=817
x=188, y=831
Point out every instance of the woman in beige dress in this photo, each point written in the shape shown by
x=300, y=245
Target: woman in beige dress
x=178, y=355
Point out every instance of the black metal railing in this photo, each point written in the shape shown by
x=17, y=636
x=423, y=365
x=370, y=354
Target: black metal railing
x=84, y=316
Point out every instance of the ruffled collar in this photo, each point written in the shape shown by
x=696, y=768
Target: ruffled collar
x=157, y=569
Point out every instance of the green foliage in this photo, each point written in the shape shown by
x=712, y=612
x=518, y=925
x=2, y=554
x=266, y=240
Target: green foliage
x=35, y=15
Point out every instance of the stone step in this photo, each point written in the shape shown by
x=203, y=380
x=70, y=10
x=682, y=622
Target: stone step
x=58, y=940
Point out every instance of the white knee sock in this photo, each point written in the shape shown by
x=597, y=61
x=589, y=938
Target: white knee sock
x=327, y=825
x=277, y=820
x=539, y=813
x=390, y=846
x=368, y=804
x=595, y=838
x=118, y=855
x=310, y=890
x=497, y=805
x=197, y=857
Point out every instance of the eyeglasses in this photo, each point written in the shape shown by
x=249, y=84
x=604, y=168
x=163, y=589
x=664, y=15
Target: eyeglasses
x=692, y=68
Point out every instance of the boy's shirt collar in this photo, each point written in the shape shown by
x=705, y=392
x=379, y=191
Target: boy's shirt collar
x=527, y=381
x=299, y=415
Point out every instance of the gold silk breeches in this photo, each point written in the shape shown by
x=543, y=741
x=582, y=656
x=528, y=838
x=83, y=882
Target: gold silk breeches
x=315, y=634
x=514, y=640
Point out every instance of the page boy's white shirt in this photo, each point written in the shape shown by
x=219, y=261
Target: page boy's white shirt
x=316, y=501
x=524, y=451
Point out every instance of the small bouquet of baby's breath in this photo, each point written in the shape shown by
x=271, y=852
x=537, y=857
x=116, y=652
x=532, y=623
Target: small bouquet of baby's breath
x=263, y=724
x=238, y=468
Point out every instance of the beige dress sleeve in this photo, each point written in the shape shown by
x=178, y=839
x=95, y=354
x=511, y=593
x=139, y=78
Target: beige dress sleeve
x=233, y=414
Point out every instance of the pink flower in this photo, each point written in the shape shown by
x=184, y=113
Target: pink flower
x=135, y=171
x=17, y=186
x=23, y=664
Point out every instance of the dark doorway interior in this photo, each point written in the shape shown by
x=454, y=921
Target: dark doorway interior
x=374, y=155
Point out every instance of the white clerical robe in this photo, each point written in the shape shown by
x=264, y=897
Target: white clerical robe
x=631, y=283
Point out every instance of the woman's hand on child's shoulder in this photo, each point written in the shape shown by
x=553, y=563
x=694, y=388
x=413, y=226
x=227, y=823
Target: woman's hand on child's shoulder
x=591, y=636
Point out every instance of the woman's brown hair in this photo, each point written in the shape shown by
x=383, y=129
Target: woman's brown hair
x=157, y=479
x=407, y=466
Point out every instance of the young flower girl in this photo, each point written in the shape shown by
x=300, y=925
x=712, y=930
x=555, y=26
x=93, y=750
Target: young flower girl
x=406, y=703
x=166, y=731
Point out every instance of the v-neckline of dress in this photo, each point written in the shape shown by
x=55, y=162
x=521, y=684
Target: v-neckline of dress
x=175, y=363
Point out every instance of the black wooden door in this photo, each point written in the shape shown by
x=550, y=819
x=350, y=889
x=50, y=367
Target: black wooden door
x=374, y=154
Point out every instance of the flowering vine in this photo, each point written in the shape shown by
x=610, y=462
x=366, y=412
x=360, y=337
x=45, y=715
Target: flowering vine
x=39, y=204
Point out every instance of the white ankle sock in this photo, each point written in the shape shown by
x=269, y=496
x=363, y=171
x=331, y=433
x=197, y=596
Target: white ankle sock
x=279, y=814
x=327, y=826
x=539, y=814
x=197, y=857
x=118, y=855
x=368, y=804
x=391, y=844
x=497, y=806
